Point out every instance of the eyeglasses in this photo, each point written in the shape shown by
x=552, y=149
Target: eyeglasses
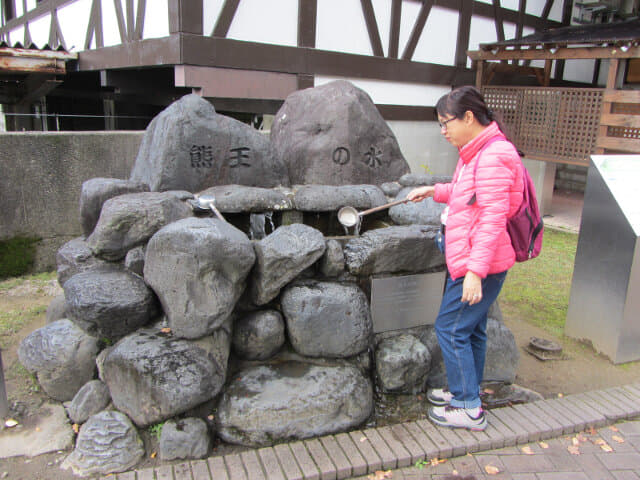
x=443, y=125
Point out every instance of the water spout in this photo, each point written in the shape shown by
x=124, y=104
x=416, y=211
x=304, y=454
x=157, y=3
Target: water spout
x=257, y=226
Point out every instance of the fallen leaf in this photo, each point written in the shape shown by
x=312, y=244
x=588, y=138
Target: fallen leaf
x=380, y=475
x=488, y=391
x=573, y=449
x=37, y=429
x=454, y=473
x=599, y=441
x=560, y=395
x=606, y=447
x=153, y=454
x=75, y=427
x=614, y=428
x=592, y=431
x=363, y=439
x=165, y=330
x=435, y=461
x=581, y=438
x=618, y=438
x=527, y=450
x=210, y=417
x=575, y=441
x=10, y=423
x=491, y=470
x=543, y=445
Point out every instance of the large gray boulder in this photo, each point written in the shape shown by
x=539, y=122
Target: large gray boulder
x=419, y=179
x=426, y=212
x=107, y=443
x=332, y=262
x=334, y=135
x=402, y=364
x=96, y=191
x=327, y=319
x=403, y=249
x=240, y=198
x=62, y=357
x=188, y=146
x=282, y=256
x=92, y=398
x=198, y=267
x=110, y=304
x=130, y=220
x=265, y=405
x=75, y=256
x=327, y=198
x=153, y=376
x=184, y=438
x=258, y=335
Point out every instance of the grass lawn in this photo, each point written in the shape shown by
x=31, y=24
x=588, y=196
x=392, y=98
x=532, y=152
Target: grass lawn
x=538, y=290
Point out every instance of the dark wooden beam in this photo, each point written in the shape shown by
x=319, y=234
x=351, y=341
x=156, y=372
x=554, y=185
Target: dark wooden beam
x=498, y=20
x=394, y=28
x=225, y=18
x=417, y=29
x=140, y=15
x=567, y=7
x=372, y=28
x=406, y=112
x=94, y=28
x=464, y=27
x=546, y=10
x=185, y=16
x=122, y=26
x=307, y=15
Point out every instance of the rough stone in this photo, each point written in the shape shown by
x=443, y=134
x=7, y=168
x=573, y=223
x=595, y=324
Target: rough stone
x=265, y=405
x=185, y=438
x=240, y=198
x=334, y=135
x=96, y=191
x=315, y=311
x=402, y=364
x=426, y=212
x=419, y=179
x=153, y=376
x=258, y=335
x=92, y=398
x=402, y=249
x=198, y=267
x=332, y=262
x=107, y=443
x=391, y=189
x=110, y=304
x=327, y=198
x=57, y=309
x=75, y=256
x=130, y=220
x=188, y=146
x=282, y=256
x=134, y=260
x=62, y=357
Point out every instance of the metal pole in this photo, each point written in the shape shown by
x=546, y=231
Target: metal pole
x=4, y=404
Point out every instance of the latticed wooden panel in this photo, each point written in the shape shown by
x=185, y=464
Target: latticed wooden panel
x=546, y=123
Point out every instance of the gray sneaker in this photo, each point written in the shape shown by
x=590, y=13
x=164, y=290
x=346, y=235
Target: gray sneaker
x=439, y=396
x=449, y=416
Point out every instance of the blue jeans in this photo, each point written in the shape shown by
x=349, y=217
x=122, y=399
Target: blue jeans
x=462, y=334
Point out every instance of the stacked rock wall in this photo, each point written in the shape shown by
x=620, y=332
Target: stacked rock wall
x=258, y=324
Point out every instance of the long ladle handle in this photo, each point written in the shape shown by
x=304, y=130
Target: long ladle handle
x=383, y=207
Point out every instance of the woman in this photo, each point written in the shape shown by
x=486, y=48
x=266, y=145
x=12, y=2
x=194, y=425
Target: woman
x=485, y=190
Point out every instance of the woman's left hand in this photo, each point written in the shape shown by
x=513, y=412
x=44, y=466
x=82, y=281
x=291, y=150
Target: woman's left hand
x=471, y=288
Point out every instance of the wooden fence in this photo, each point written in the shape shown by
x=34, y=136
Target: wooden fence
x=548, y=123
x=620, y=124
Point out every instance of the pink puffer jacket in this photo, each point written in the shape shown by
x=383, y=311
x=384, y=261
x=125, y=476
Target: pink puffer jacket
x=476, y=236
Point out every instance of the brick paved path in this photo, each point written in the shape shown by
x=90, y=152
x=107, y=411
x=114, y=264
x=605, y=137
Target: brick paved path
x=584, y=436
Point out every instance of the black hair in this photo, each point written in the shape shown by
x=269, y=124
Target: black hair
x=462, y=99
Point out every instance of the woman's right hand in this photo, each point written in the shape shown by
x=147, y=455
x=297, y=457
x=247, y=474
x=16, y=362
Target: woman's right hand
x=420, y=193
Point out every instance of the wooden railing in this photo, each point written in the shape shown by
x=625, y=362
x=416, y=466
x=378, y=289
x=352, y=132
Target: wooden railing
x=620, y=124
x=551, y=124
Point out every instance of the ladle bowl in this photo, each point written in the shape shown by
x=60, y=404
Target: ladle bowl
x=350, y=217
x=208, y=202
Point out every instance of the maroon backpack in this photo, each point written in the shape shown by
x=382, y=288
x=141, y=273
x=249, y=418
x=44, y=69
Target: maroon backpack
x=525, y=227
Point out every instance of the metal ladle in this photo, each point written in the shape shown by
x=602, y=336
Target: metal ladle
x=207, y=202
x=349, y=216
